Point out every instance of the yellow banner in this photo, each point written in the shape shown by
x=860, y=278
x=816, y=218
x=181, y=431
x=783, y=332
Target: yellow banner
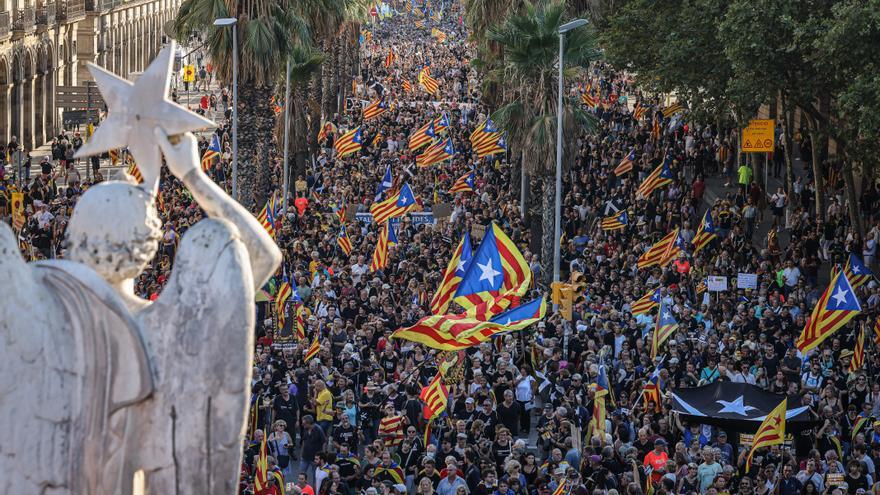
x=189, y=73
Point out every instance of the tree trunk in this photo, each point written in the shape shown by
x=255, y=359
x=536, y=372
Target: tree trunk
x=256, y=122
x=852, y=199
x=327, y=78
x=299, y=129
x=788, y=126
x=548, y=222
x=818, y=180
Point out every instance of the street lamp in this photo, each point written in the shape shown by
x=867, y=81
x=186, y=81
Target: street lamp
x=224, y=22
x=557, y=232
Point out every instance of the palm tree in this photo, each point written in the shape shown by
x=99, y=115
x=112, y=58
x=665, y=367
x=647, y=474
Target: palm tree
x=528, y=76
x=267, y=31
x=305, y=61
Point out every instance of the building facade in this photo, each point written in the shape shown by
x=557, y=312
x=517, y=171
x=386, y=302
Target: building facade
x=45, y=44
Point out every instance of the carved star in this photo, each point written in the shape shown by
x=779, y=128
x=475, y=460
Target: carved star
x=735, y=406
x=840, y=296
x=134, y=110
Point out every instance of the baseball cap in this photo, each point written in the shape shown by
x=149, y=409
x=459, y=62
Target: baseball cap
x=660, y=441
x=400, y=488
x=469, y=400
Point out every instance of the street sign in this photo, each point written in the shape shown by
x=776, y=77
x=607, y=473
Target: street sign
x=189, y=73
x=78, y=96
x=758, y=137
x=373, y=11
x=71, y=118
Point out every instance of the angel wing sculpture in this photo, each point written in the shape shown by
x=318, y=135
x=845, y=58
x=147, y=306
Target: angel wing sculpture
x=97, y=384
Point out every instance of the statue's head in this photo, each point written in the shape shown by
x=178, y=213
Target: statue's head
x=115, y=230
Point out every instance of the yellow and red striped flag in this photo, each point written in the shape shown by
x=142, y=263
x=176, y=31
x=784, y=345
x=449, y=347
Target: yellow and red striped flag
x=387, y=238
x=705, y=232
x=837, y=306
x=455, y=270
x=284, y=292
x=626, y=164
x=672, y=109
x=301, y=321
x=654, y=255
x=261, y=471
x=877, y=331
x=646, y=303
x=588, y=99
x=436, y=153
x=856, y=271
x=438, y=35
x=389, y=59
x=639, y=111
x=133, y=169
x=665, y=326
x=428, y=83
x=615, y=222
x=771, y=431
x=327, y=129
x=343, y=241
x=455, y=332
x=375, y=109
x=858, y=357
x=422, y=136
x=407, y=86
x=435, y=396
x=349, y=143
x=395, y=206
x=659, y=177
x=313, y=350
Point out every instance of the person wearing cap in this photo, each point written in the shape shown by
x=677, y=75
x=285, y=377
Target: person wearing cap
x=656, y=460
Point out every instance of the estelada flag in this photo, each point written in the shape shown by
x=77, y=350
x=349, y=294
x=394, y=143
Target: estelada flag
x=389, y=59
x=705, y=232
x=771, y=431
x=837, y=306
x=654, y=255
x=498, y=270
x=646, y=303
x=349, y=143
x=626, y=164
x=616, y=221
x=455, y=270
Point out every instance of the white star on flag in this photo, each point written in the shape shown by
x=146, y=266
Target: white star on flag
x=487, y=272
x=840, y=296
x=735, y=406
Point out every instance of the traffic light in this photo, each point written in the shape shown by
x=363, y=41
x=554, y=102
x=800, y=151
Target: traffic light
x=578, y=286
x=566, y=301
x=556, y=292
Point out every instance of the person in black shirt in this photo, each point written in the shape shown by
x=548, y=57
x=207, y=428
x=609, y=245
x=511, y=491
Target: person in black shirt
x=349, y=469
x=509, y=412
x=488, y=417
x=345, y=434
x=286, y=407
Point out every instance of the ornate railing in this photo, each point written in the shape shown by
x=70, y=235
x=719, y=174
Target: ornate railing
x=5, y=27
x=46, y=15
x=25, y=20
x=71, y=10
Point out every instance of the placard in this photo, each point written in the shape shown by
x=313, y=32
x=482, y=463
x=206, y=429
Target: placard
x=746, y=280
x=717, y=283
x=441, y=210
x=478, y=231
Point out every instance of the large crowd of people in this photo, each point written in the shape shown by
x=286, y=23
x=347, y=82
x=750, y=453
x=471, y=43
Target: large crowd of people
x=349, y=421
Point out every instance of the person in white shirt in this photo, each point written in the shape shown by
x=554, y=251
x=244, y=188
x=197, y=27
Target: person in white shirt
x=359, y=269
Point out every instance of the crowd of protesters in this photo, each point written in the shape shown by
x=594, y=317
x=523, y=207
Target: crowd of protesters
x=350, y=420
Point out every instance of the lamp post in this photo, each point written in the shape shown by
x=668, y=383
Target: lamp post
x=557, y=232
x=224, y=22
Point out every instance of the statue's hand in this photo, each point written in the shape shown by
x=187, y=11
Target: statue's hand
x=182, y=157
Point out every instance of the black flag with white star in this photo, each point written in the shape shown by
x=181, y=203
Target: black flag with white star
x=736, y=407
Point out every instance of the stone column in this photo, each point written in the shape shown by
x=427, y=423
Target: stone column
x=28, y=111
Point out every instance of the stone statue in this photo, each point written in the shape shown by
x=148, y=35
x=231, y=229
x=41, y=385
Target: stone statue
x=102, y=392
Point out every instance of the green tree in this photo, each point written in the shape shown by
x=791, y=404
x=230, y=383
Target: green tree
x=267, y=31
x=528, y=71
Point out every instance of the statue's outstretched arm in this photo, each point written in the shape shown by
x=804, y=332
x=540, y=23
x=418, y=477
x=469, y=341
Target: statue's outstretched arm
x=183, y=161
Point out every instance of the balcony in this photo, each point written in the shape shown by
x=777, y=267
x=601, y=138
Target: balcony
x=46, y=15
x=4, y=25
x=101, y=5
x=71, y=10
x=25, y=21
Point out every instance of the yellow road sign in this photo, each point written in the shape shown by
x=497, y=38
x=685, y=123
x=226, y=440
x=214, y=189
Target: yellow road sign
x=189, y=73
x=758, y=137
